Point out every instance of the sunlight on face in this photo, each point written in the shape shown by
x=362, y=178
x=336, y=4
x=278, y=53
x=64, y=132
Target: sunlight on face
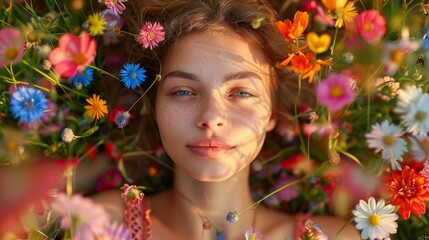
x=213, y=104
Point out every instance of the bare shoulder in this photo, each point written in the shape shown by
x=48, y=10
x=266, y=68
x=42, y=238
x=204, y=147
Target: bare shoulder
x=274, y=224
x=278, y=225
x=112, y=201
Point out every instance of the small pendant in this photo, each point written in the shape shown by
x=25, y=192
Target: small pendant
x=207, y=225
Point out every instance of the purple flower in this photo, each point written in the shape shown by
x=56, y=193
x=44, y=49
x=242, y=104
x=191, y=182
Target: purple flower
x=288, y=193
x=115, y=232
x=335, y=91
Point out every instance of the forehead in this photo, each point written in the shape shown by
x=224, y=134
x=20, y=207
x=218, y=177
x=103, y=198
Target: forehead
x=216, y=52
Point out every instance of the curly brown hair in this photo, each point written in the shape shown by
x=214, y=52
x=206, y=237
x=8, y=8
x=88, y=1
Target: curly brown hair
x=184, y=17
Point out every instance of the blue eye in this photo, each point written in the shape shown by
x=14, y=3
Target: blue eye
x=183, y=93
x=243, y=94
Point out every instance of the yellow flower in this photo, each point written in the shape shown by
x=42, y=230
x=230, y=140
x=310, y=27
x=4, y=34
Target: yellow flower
x=346, y=15
x=318, y=44
x=97, y=24
x=97, y=107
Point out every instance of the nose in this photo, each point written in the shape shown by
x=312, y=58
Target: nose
x=211, y=114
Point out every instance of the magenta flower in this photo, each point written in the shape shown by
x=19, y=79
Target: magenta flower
x=151, y=34
x=132, y=194
x=371, y=25
x=87, y=218
x=335, y=91
x=11, y=46
x=73, y=54
x=109, y=180
x=116, y=6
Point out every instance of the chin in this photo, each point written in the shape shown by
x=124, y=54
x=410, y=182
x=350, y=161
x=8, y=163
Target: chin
x=212, y=176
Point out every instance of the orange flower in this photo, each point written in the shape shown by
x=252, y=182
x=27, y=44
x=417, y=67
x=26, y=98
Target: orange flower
x=293, y=30
x=97, y=107
x=301, y=64
x=334, y=4
x=410, y=191
x=306, y=65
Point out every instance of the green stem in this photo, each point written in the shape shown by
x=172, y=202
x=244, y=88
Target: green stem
x=269, y=195
x=334, y=42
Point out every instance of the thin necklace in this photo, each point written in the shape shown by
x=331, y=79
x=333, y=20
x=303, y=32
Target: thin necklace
x=207, y=224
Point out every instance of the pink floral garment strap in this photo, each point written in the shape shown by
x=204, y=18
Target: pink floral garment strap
x=137, y=219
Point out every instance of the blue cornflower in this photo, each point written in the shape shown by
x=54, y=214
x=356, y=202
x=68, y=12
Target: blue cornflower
x=221, y=235
x=232, y=217
x=82, y=79
x=122, y=119
x=28, y=104
x=132, y=75
x=425, y=42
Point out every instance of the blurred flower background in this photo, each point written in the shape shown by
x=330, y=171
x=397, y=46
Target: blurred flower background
x=361, y=152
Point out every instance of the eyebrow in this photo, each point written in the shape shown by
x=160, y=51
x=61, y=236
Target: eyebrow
x=228, y=77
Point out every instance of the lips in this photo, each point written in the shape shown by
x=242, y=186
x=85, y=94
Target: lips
x=210, y=147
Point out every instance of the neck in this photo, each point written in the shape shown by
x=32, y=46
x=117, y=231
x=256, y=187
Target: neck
x=214, y=200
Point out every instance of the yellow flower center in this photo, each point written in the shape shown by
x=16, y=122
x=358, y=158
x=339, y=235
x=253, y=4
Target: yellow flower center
x=367, y=26
x=397, y=56
x=374, y=219
x=252, y=236
x=388, y=140
x=420, y=116
x=11, y=53
x=114, y=1
x=151, y=36
x=79, y=58
x=336, y=91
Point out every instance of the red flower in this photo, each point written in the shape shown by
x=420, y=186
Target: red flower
x=410, y=191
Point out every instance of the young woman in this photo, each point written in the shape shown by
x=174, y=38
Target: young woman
x=218, y=96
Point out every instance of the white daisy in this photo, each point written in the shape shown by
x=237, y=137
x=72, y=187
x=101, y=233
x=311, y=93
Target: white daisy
x=419, y=145
x=416, y=119
x=395, y=54
x=375, y=219
x=386, y=137
x=406, y=97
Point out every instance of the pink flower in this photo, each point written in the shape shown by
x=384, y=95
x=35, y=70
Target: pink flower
x=151, y=34
x=73, y=54
x=11, y=46
x=87, y=218
x=371, y=25
x=132, y=194
x=116, y=6
x=335, y=91
x=425, y=170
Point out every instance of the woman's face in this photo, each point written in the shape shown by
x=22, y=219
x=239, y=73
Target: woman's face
x=213, y=105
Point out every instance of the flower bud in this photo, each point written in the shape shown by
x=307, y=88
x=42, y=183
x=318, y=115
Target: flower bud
x=232, y=217
x=67, y=135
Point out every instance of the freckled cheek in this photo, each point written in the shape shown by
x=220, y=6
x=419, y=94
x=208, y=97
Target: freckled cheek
x=171, y=119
